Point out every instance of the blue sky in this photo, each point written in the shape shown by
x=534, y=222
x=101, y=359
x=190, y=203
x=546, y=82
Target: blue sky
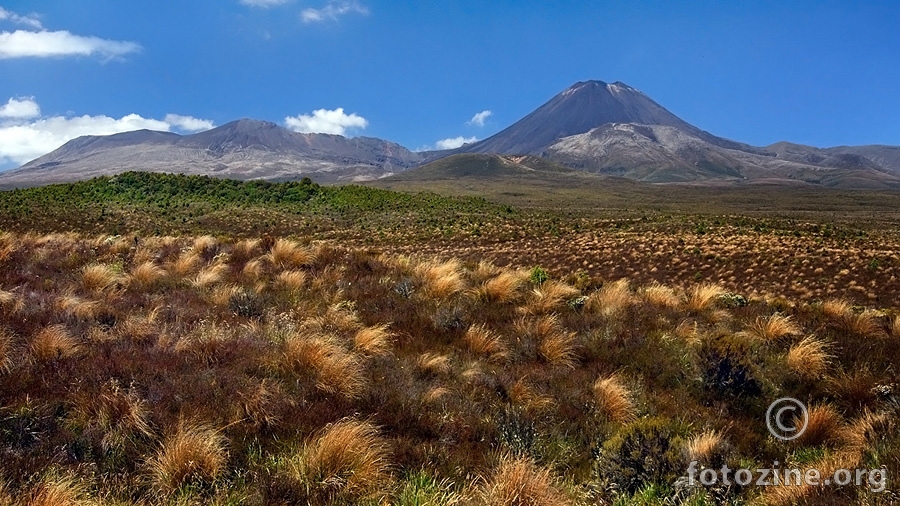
x=417, y=73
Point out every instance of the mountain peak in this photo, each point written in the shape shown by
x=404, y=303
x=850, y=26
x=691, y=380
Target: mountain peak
x=580, y=108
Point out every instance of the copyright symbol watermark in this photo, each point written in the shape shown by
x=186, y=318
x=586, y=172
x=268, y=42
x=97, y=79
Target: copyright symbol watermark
x=787, y=418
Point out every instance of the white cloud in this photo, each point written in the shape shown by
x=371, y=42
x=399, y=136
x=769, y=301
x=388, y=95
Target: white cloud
x=323, y=121
x=20, y=108
x=26, y=138
x=43, y=44
x=30, y=20
x=454, y=142
x=263, y=3
x=332, y=11
x=479, y=119
x=188, y=123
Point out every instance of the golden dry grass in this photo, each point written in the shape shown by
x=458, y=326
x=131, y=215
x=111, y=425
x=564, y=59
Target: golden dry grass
x=186, y=263
x=374, y=340
x=434, y=364
x=145, y=275
x=440, y=279
x=611, y=299
x=289, y=254
x=707, y=448
x=703, y=297
x=772, y=328
x=6, y=350
x=292, y=280
x=614, y=400
x=59, y=491
x=503, y=288
x=549, y=296
x=79, y=307
x=193, y=452
x=348, y=460
x=521, y=482
x=526, y=396
x=210, y=275
x=809, y=359
x=53, y=343
x=99, y=278
x=483, y=341
x=824, y=426
x=10, y=302
x=661, y=296
x=337, y=371
x=558, y=348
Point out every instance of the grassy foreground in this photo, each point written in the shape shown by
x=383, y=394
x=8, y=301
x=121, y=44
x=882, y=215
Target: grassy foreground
x=201, y=370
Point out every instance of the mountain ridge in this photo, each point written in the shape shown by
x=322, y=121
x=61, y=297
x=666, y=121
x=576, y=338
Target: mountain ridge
x=605, y=128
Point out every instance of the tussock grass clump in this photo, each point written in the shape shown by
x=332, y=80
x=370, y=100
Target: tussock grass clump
x=661, y=296
x=337, y=371
x=6, y=350
x=709, y=448
x=503, y=288
x=63, y=490
x=434, y=364
x=347, y=460
x=210, y=275
x=10, y=302
x=703, y=297
x=119, y=413
x=863, y=324
x=375, y=340
x=291, y=280
x=772, y=328
x=824, y=426
x=482, y=341
x=559, y=349
x=440, y=279
x=614, y=399
x=53, y=343
x=809, y=359
x=289, y=254
x=548, y=296
x=521, y=482
x=79, y=307
x=145, y=275
x=98, y=278
x=611, y=299
x=853, y=388
x=186, y=263
x=194, y=452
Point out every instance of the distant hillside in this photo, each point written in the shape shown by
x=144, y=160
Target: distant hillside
x=243, y=149
x=608, y=129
